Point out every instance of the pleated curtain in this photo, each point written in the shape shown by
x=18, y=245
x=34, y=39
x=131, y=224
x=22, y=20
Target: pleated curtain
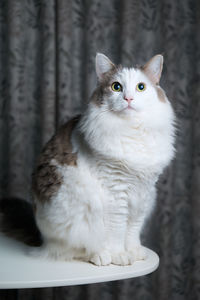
x=47, y=74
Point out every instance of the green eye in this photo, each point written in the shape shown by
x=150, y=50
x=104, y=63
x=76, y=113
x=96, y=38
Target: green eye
x=116, y=87
x=141, y=87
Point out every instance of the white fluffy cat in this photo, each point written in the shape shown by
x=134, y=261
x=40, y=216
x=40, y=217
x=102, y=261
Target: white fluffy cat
x=94, y=185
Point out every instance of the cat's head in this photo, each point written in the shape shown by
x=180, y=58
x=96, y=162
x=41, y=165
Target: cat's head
x=127, y=91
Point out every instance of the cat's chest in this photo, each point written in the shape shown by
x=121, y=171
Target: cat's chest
x=113, y=176
x=138, y=147
x=143, y=152
x=134, y=164
x=120, y=180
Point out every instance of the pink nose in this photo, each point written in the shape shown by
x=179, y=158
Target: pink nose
x=128, y=99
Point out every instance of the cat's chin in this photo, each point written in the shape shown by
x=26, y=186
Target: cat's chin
x=128, y=110
x=125, y=113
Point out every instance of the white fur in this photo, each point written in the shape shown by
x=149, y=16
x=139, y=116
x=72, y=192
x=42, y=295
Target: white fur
x=99, y=211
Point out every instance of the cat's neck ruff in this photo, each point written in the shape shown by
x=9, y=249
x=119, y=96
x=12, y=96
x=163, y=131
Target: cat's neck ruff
x=128, y=138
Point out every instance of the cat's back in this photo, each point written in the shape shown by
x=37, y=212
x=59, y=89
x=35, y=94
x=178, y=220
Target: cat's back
x=58, y=151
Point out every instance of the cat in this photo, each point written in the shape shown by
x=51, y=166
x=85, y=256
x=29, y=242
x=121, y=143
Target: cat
x=94, y=185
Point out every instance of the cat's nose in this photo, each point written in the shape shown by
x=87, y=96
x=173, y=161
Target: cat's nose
x=128, y=99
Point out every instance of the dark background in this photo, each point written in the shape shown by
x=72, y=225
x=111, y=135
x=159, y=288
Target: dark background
x=47, y=51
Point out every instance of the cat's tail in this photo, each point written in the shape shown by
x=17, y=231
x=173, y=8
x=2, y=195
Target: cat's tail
x=17, y=221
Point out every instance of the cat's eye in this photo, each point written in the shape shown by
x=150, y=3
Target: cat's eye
x=140, y=87
x=116, y=87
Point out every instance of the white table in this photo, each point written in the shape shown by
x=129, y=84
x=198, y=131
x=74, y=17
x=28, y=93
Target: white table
x=19, y=270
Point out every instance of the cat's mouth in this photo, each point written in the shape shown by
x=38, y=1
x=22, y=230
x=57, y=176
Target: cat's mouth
x=127, y=110
x=128, y=107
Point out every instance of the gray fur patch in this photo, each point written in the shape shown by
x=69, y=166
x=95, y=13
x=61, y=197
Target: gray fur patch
x=103, y=86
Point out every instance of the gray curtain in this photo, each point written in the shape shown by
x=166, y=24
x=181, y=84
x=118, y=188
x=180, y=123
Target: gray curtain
x=47, y=51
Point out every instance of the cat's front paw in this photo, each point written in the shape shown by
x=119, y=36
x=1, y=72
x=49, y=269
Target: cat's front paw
x=122, y=258
x=101, y=259
x=138, y=253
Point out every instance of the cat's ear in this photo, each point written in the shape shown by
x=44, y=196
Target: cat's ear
x=103, y=65
x=153, y=68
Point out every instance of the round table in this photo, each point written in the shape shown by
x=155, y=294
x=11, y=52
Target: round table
x=19, y=270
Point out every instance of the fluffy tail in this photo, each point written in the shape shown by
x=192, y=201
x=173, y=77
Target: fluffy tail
x=17, y=221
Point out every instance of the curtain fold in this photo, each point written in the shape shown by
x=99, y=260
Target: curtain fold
x=47, y=74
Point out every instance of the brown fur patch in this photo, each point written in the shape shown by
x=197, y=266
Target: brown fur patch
x=97, y=96
x=161, y=94
x=103, y=85
x=148, y=72
x=46, y=179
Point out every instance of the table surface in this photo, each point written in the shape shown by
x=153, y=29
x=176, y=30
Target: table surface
x=20, y=270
